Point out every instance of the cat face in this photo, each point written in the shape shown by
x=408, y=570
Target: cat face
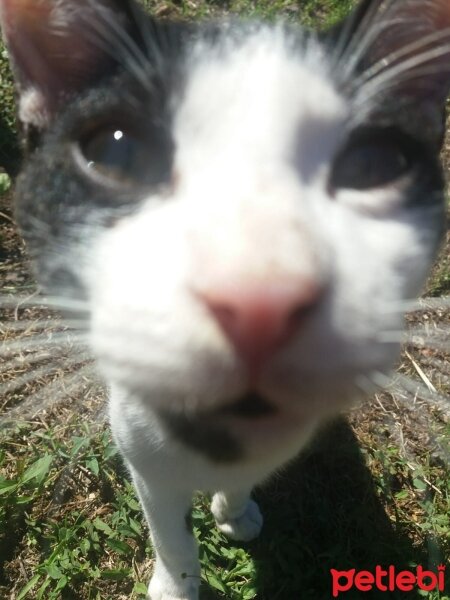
x=244, y=208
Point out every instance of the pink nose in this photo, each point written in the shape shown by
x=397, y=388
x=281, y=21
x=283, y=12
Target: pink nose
x=259, y=319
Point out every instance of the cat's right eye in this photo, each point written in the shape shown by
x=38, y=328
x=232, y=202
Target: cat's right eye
x=123, y=156
x=371, y=159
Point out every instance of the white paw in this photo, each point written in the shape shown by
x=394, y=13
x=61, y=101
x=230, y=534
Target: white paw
x=161, y=588
x=245, y=527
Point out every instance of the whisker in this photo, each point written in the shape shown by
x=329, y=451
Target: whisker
x=430, y=303
x=55, y=302
x=124, y=48
x=365, y=384
x=420, y=335
x=158, y=40
x=398, y=383
x=28, y=360
x=421, y=373
x=441, y=366
x=404, y=51
x=354, y=53
x=381, y=380
x=54, y=393
x=392, y=76
x=370, y=29
x=433, y=337
x=414, y=387
x=415, y=305
x=19, y=382
x=390, y=337
x=17, y=307
x=38, y=341
x=43, y=324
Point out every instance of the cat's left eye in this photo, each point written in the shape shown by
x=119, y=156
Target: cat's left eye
x=370, y=161
x=122, y=156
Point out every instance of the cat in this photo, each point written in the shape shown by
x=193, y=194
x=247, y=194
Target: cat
x=243, y=208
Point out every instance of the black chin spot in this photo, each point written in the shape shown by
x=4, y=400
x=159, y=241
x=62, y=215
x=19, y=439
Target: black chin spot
x=205, y=433
x=202, y=433
x=250, y=406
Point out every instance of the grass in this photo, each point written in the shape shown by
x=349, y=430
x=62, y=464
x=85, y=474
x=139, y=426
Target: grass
x=72, y=528
x=9, y=150
x=309, y=12
x=374, y=489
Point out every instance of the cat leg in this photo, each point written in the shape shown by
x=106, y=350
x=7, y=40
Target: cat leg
x=176, y=574
x=237, y=515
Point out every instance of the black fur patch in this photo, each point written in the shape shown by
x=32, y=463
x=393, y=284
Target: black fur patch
x=250, y=406
x=203, y=434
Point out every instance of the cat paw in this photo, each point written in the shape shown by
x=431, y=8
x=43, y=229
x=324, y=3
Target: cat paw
x=245, y=527
x=170, y=596
x=162, y=589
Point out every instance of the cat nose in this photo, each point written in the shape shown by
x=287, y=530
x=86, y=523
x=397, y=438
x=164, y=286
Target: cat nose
x=260, y=319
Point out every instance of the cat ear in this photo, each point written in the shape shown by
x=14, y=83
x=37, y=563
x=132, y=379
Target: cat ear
x=394, y=62
x=411, y=50
x=58, y=47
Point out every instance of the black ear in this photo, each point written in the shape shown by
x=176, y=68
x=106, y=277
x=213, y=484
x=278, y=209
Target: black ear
x=58, y=47
x=413, y=42
x=398, y=50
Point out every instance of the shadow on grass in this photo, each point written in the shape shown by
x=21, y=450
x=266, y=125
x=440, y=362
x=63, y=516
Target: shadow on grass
x=10, y=152
x=322, y=512
x=11, y=532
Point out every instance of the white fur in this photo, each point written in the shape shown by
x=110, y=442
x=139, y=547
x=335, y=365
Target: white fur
x=255, y=131
x=33, y=108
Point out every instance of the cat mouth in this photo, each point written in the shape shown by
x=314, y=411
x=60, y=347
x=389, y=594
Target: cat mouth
x=251, y=405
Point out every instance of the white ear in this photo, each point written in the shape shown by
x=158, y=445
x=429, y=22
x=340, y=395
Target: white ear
x=54, y=50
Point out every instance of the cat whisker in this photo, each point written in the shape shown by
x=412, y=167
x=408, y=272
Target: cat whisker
x=417, y=389
x=414, y=305
x=417, y=305
x=26, y=360
x=365, y=384
x=421, y=373
x=436, y=338
x=382, y=66
x=429, y=303
x=419, y=335
x=381, y=380
x=347, y=51
x=41, y=325
x=55, y=302
x=7, y=348
x=18, y=382
x=53, y=393
x=390, y=337
x=405, y=388
x=355, y=52
x=113, y=39
x=441, y=366
x=371, y=28
x=157, y=40
x=392, y=76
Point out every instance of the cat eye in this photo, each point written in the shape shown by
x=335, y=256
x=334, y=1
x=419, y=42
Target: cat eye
x=120, y=155
x=369, y=161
